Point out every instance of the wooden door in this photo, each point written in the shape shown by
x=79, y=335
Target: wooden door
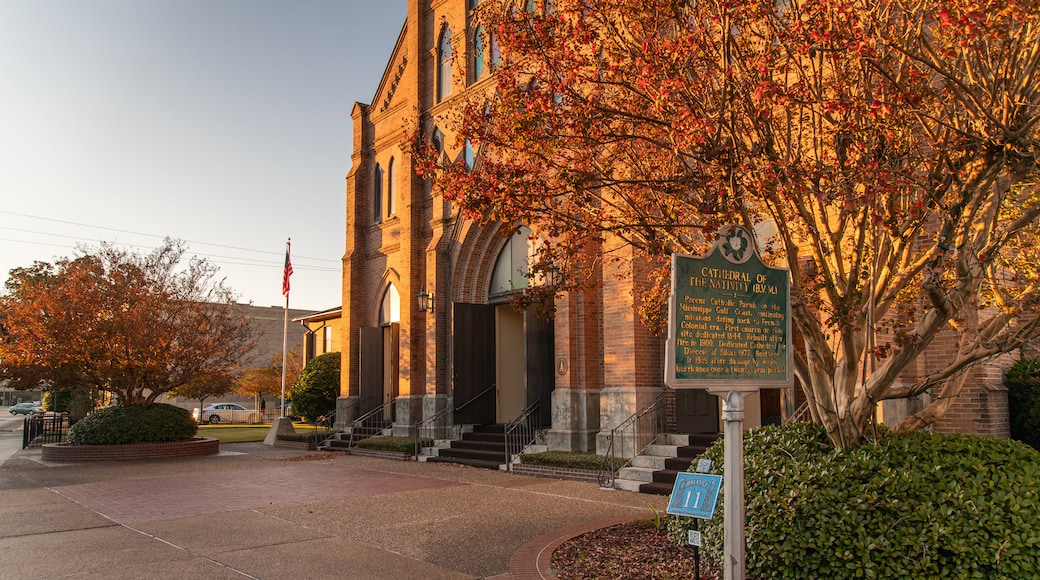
x=696, y=411
x=510, y=371
x=474, y=362
x=391, y=366
x=370, y=394
x=540, y=333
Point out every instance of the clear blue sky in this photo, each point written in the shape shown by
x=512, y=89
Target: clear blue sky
x=224, y=123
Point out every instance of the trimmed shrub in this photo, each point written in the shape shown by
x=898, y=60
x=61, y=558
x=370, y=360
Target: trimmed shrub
x=306, y=436
x=923, y=505
x=134, y=424
x=314, y=392
x=567, y=459
x=389, y=443
x=1023, y=392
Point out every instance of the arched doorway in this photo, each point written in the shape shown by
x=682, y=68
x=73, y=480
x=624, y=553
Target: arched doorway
x=380, y=346
x=503, y=358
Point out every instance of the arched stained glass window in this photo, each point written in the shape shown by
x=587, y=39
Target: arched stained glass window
x=377, y=194
x=390, y=206
x=479, y=54
x=496, y=52
x=468, y=155
x=512, y=266
x=390, y=309
x=444, y=65
x=438, y=141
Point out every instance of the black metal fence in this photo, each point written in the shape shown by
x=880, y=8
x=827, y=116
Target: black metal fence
x=44, y=428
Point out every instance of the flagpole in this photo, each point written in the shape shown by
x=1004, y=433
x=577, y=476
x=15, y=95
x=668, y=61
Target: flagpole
x=285, y=328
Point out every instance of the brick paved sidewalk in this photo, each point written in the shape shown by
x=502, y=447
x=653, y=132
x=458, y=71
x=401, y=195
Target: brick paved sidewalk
x=248, y=513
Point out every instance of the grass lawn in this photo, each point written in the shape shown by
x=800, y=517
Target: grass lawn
x=243, y=433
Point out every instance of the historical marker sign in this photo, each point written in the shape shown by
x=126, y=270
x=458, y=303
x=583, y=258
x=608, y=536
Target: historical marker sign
x=729, y=324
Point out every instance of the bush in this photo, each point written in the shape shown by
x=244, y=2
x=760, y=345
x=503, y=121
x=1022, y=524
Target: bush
x=306, y=437
x=57, y=401
x=1023, y=385
x=388, y=443
x=133, y=424
x=924, y=505
x=314, y=393
x=568, y=459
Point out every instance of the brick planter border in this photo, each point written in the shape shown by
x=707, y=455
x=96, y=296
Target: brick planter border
x=165, y=450
x=394, y=455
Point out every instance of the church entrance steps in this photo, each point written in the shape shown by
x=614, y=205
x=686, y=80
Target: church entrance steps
x=654, y=470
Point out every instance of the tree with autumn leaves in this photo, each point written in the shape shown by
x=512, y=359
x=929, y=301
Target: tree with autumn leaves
x=267, y=381
x=136, y=326
x=889, y=150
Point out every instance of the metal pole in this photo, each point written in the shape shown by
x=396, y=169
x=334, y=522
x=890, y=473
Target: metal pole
x=733, y=477
x=285, y=335
x=697, y=551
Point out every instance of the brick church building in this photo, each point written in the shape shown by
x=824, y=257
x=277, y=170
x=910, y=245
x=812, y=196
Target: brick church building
x=426, y=321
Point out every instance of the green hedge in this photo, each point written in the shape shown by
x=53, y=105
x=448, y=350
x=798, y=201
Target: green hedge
x=134, y=424
x=388, y=443
x=568, y=459
x=924, y=505
x=306, y=436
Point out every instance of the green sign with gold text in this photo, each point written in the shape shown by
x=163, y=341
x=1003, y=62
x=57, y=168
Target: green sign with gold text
x=729, y=323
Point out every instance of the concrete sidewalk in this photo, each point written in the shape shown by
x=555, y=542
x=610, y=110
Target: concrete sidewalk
x=256, y=511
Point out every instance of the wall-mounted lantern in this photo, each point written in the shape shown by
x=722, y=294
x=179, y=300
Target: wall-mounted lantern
x=425, y=301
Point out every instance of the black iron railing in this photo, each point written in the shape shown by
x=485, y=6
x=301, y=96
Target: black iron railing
x=372, y=422
x=521, y=432
x=44, y=428
x=440, y=425
x=632, y=436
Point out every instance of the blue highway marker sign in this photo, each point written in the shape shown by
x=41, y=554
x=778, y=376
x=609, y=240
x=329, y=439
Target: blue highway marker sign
x=694, y=495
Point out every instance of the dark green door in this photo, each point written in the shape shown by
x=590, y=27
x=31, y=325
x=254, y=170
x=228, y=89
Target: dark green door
x=474, y=393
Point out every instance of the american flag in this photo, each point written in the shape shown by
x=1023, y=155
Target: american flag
x=286, y=273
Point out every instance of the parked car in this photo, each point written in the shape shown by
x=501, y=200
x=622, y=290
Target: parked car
x=228, y=413
x=31, y=408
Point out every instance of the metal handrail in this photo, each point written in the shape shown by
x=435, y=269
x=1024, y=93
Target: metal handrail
x=521, y=432
x=366, y=420
x=475, y=397
x=801, y=414
x=429, y=426
x=641, y=430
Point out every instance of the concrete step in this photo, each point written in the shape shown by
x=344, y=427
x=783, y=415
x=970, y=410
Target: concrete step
x=628, y=484
x=649, y=461
x=676, y=439
x=642, y=474
x=661, y=450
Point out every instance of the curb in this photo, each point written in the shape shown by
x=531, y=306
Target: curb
x=533, y=561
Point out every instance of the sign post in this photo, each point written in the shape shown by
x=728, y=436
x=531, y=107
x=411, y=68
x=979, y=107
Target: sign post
x=694, y=495
x=729, y=332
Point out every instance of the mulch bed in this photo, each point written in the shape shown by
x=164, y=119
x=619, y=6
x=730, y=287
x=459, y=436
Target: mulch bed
x=632, y=551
